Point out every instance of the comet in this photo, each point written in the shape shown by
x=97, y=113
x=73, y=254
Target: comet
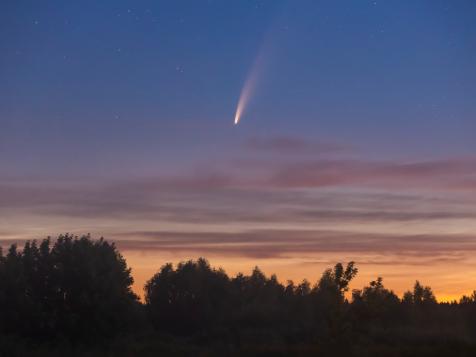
x=248, y=89
x=244, y=98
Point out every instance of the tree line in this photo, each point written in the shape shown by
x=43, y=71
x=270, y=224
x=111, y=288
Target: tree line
x=73, y=296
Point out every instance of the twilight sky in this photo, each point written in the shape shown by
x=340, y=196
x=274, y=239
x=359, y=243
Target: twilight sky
x=357, y=142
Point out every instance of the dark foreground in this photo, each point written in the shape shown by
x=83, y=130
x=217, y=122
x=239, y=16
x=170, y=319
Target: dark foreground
x=74, y=298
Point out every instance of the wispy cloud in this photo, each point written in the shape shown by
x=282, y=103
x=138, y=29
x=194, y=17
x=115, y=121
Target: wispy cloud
x=282, y=243
x=208, y=200
x=278, y=207
x=293, y=145
x=439, y=174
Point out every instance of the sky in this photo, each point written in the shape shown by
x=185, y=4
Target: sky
x=356, y=139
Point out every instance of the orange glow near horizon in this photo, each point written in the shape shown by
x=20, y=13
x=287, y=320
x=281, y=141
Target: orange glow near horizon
x=401, y=235
x=399, y=279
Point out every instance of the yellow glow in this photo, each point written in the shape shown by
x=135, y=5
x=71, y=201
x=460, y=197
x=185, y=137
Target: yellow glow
x=398, y=278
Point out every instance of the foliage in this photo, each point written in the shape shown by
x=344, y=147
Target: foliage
x=78, y=288
x=74, y=298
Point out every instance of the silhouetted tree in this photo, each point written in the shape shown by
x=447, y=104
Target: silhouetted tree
x=187, y=299
x=258, y=300
x=421, y=295
x=335, y=282
x=375, y=304
x=467, y=305
x=329, y=302
x=80, y=289
x=468, y=299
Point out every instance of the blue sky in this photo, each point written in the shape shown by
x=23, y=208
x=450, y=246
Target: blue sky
x=131, y=103
x=158, y=75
